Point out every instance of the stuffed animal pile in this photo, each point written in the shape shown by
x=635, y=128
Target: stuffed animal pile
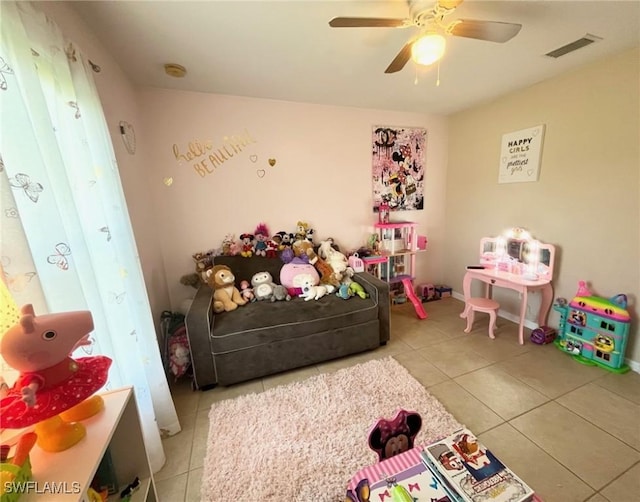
x=305, y=272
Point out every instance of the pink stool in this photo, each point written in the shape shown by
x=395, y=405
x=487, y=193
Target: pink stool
x=487, y=305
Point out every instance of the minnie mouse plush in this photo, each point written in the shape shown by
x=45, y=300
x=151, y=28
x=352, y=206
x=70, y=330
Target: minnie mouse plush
x=246, y=248
x=390, y=437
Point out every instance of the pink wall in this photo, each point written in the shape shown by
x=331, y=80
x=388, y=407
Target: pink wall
x=322, y=173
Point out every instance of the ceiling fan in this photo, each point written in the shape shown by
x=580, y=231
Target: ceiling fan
x=428, y=46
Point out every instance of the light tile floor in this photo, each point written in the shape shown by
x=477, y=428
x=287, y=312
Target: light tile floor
x=571, y=431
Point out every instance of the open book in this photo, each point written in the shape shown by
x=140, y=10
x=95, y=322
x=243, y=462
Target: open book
x=472, y=472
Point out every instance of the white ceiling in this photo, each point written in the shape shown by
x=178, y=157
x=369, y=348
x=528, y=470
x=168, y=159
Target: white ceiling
x=286, y=50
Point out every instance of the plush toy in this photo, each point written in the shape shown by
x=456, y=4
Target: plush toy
x=247, y=245
x=272, y=249
x=287, y=255
x=277, y=240
x=226, y=297
x=353, y=287
x=344, y=292
x=304, y=249
x=263, y=286
x=228, y=243
x=357, y=289
x=261, y=234
x=390, y=437
x=235, y=248
x=311, y=292
x=295, y=273
x=327, y=275
x=309, y=235
x=338, y=261
x=302, y=245
x=50, y=380
x=301, y=231
x=280, y=294
x=194, y=280
x=204, y=261
x=246, y=291
x=286, y=239
x=283, y=239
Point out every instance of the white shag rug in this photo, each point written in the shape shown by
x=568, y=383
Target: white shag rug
x=303, y=441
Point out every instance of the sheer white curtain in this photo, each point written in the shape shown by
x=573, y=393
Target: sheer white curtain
x=67, y=242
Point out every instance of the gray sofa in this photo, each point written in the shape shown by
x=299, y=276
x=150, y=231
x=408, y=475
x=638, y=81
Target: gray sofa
x=263, y=338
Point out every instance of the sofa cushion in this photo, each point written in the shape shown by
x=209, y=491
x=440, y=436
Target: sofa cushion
x=282, y=355
x=245, y=327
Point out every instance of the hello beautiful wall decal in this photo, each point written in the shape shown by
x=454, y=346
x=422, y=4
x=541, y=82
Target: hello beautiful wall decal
x=205, y=157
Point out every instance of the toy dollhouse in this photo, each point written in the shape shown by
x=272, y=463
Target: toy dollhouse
x=594, y=329
x=398, y=245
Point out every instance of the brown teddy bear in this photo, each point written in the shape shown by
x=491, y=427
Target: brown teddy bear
x=226, y=297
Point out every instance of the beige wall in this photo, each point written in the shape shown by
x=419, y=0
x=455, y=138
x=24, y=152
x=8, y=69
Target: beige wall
x=586, y=199
x=322, y=174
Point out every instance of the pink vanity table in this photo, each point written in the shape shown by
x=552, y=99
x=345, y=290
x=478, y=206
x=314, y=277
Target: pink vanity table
x=515, y=262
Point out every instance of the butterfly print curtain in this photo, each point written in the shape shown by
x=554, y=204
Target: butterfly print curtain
x=66, y=238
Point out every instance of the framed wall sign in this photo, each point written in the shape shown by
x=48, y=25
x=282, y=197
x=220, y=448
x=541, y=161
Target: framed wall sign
x=520, y=155
x=398, y=164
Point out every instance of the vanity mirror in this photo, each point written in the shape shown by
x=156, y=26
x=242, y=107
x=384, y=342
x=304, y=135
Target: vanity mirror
x=517, y=252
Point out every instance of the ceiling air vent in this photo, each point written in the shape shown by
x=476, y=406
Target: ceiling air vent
x=588, y=39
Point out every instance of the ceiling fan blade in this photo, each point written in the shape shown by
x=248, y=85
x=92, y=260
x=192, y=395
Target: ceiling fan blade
x=401, y=59
x=366, y=22
x=493, y=31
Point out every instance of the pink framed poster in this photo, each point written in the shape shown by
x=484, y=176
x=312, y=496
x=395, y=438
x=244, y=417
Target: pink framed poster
x=398, y=164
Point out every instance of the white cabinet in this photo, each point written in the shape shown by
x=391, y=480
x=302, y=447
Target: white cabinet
x=65, y=476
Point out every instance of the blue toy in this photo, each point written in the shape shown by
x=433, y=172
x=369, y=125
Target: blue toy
x=594, y=330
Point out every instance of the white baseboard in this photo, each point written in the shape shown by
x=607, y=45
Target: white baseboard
x=634, y=365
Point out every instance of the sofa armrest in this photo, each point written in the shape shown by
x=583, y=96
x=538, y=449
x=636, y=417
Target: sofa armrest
x=379, y=290
x=198, y=323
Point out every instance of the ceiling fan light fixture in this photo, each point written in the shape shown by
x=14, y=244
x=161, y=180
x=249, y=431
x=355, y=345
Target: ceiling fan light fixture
x=428, y=49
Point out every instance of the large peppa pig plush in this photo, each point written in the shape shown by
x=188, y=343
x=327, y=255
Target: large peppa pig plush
x=50, y=380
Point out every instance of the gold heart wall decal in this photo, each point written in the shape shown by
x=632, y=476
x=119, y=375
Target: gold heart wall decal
x=168, y=181
x=261, y=173
x=253, y=158
x=272, y=162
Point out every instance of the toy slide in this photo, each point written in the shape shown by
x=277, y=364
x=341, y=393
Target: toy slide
x=417, y=304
